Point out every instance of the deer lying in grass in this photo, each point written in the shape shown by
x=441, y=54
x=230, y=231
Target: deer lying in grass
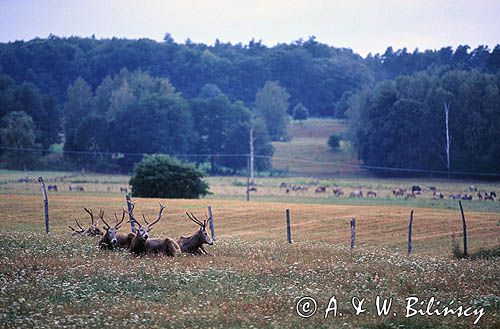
x=112, y=239
x=77, y=232
x=92, y=230
x=140, y=243
x=194, y=244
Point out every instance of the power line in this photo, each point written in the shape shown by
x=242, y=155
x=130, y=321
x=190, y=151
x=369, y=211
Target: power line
x=330, y=163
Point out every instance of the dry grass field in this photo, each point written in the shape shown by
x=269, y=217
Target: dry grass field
x=252, y=277
x=310, y=143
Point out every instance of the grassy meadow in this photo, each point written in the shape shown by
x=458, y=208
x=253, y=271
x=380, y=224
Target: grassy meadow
x=252, y=277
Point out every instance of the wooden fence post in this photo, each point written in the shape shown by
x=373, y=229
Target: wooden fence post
x=409, y=232
x=45, y=205
x=288, y=230
x=211, y=222
x=353, y=232
x=129, y=207
x=465, y=229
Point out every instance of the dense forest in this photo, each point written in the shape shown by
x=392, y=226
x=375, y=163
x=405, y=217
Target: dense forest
x=108, y=98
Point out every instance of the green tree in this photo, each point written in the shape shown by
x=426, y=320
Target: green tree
x=17, y=134
x=300, y=112
x=271, y=103
x=160, y=176
x=78, y=105
x=222, y=127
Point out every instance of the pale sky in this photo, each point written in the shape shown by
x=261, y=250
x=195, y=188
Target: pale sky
x=364, y=26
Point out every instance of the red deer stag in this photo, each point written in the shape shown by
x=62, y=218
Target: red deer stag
x=79, y=232
x=112, y=239
x=92, y=230
x=194, y=244
x=141, y=245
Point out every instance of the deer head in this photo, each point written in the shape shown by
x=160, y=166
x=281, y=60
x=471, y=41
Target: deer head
x=143, y=231
x=93, y=229
x=202, y=232
x=112, y=230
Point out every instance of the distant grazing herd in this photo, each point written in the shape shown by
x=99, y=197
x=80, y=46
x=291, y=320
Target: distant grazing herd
x=397, y=192
x=138, y=241
x=79, y=188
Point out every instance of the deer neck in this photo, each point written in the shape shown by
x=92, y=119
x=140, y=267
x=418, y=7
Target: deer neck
x=194, y=241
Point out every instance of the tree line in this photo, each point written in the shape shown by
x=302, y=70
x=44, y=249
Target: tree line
x=133, y=113
x=105, y=100
x=401, y=123
x=314, y=74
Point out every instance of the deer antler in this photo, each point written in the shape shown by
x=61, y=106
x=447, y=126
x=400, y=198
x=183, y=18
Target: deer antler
x=91, y=214
x=157, y=220
x=194, y=219
x=117, y=225
x=132, y=218
x=81, y=228
x=101, y=216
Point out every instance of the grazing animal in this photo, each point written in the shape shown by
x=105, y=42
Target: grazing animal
x=283, y=185
x=123, y=189
x=194, y=244
x=493, y=194
x=112, y=239
x=338, y=191
x=371, y=194
x=252, y=189
x=438, y=195
x=432, y=188
x=356, y=194
x=52, y=188
x=456, y=196
x=287, y=190
x=479, y=196
x=416, y=190
x=398, y=192
x=488, y=196
x=140, y=243
x=410, y=195
x=472, y=188
x=77, y=188
x=466, y=197
x=320, y=189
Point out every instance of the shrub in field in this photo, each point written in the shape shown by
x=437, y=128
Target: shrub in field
x=160, y=176
x=483, y=253
x=334, y=141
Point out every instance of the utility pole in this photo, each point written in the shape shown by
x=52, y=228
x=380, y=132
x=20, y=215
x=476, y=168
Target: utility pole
x=446, y=111
x=248, y=178
x=251, y=157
